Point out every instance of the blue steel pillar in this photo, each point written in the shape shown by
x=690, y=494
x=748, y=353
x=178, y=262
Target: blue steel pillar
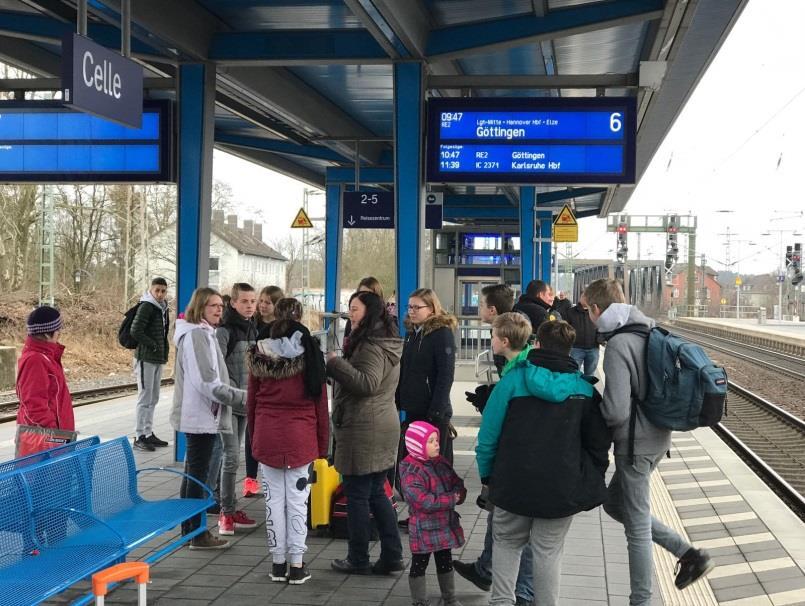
x=528, y=231
x=332, y=247
x=545, y=218
x=408, y=184
x=196, y=129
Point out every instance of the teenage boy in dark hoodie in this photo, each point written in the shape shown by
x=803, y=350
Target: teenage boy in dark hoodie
x=629, y=493
x=542, y=450
x=150, y=329
x=236, y=335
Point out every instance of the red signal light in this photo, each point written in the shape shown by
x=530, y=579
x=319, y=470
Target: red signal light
x=672, y=229
x=622, y=228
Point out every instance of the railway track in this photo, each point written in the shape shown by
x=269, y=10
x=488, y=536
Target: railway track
x=771, y=440
x=8, y=410
x=792, y=366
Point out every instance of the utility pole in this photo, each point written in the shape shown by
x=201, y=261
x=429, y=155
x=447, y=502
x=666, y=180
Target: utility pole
x=46, y=247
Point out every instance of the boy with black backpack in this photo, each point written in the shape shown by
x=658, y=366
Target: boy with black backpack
x=149, y=330
x=639, y=443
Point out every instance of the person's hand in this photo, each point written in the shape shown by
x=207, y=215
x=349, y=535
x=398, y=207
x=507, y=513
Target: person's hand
x=479, y=397
x=331, y=355
x=461, y=496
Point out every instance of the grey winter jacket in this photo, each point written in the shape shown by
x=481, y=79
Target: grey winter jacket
x=244, y=332
x=202, y=397
x=366, y=422
x=626, y=376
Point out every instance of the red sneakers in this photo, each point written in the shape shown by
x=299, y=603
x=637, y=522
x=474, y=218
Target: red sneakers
x=226, y=524
x=251, y=488
x=242, y=521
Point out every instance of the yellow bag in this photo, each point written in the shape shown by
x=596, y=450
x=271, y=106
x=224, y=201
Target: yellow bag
x=321, y=492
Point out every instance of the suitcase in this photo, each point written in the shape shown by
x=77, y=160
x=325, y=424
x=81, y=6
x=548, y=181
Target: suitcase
x=324, y=480
x=338, y=517
x=139, y=571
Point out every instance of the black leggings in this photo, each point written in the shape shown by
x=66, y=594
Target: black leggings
x=419, y=562
x=251, y=462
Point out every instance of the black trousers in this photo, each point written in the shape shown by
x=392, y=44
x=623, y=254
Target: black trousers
x=251, y=462
x=197, y=465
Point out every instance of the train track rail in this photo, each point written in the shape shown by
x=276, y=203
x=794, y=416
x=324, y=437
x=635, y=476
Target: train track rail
x=771, y=440
x=83, y=397
x=792, y=366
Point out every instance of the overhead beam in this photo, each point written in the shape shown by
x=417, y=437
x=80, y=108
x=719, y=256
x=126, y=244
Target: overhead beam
x=289, y=97
x=377, y=28
x=297, y=47
x=497, y=34
x=39, y=28
x=276, y=163
x=559, y=195
x=407, y=21
x=535, y=82
x=315, y=152
x=29, y=57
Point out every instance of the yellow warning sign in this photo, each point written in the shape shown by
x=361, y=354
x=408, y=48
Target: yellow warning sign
x=565, y=226
x=302, y=220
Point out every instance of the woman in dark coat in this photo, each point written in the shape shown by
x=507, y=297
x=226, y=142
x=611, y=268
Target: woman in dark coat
x=366, y=428
x=427, y=367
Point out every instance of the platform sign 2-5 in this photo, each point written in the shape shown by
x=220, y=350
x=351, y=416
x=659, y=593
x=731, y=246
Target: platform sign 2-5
x=368, y=210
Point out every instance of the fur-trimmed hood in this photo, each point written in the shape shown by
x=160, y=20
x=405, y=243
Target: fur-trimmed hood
x=270, y=365
x=435, y=322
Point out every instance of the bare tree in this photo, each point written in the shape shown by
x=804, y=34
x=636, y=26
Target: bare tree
x=18, y=215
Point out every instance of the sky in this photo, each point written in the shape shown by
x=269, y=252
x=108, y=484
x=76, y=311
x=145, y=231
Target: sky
x=737, y=146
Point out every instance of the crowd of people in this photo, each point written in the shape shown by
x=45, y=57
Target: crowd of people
x=249, y=375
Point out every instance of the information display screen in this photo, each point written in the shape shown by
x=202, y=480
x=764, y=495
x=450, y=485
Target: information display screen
x=44, y=142
x=531, y=140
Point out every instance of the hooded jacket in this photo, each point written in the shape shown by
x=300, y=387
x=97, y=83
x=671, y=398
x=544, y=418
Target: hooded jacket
x=287, y=427
x=536, y=310
x=150, y=329
x=236, y=335
x=543, y=444
x=579, y=318
x=365, y=420
x=427, y=368
x=42, y=388
x=626, y=371
x=202, y=396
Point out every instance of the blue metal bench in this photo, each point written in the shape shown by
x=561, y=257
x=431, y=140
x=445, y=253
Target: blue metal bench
x=52, y=453
x=67, y=517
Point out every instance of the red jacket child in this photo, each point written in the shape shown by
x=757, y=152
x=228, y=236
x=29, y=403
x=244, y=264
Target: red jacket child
x=41, y=386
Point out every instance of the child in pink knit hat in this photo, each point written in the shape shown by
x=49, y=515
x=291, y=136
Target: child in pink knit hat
x=432, y=489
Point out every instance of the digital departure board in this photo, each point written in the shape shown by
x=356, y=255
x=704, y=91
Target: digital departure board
x=44, y=142
x=531, y=140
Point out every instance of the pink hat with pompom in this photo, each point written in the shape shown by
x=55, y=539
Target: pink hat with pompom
x=416, y=439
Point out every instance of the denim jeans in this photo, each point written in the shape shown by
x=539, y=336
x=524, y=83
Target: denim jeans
x=546, y=538
x=586, y=357
x=483, y=565
x=364, y=493
x=229, y=467
x=196, y=464
x=629, y=502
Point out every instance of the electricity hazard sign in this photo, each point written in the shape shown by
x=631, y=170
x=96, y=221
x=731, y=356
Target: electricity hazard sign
x=302, y=220
x=565, y=226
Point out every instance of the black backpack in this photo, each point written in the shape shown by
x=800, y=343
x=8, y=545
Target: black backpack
x=124, y=332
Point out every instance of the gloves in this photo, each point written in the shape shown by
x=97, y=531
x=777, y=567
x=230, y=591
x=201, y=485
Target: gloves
x=483, y=499
x=479, y=397
x=462, y=495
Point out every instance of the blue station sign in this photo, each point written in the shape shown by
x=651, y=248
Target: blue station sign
x=531, y=140
x=368, y=210
x=101, y=82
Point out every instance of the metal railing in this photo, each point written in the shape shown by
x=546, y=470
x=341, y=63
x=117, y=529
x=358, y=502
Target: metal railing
x=472, y=338
x=744, y=312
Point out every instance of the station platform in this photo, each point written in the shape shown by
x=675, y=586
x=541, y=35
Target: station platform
x=777, y=334
x=703, y=490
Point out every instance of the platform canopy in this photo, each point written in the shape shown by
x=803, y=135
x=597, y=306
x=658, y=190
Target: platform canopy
x=300, y=81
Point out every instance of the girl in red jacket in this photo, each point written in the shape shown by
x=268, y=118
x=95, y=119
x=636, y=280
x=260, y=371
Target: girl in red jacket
x=289, y=425
x=432, y=490
x=41, y=387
